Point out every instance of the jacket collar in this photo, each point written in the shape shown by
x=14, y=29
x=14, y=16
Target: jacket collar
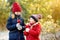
x=34, y=24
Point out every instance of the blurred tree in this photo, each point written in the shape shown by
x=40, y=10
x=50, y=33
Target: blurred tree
x=10, y=2
x=4, y=10
x=56, y=10
x=56, y=14
x=29, y=7
x=35, y=7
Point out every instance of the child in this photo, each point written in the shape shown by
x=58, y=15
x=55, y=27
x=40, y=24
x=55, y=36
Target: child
x=15, y=23
x=33, y=29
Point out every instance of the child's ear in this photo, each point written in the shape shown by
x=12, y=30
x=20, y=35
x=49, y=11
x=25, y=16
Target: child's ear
x=12, y=16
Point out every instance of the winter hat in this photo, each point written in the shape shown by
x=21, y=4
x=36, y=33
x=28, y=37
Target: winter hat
x=16, y=7
x=36, y=17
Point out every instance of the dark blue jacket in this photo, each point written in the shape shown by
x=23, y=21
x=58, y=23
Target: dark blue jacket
x=14, y=33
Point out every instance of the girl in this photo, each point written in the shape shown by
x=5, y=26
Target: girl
x=15, y=23
x=33, y=29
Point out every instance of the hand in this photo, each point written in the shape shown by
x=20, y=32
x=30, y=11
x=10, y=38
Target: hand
x=28, y=24
x=19, y=27
x=27, y=29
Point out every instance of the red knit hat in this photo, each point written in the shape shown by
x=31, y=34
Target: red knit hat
x=16, y=7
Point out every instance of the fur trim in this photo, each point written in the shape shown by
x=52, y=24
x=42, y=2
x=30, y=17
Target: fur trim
x=34, y=24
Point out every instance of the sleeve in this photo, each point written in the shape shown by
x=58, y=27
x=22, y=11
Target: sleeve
x=23, y=25
x=35, y=32
x=9, y=25
x=26, y=33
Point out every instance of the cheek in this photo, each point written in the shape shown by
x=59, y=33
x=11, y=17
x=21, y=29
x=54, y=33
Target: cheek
x=19, y=13
x=15, y=13
x=31, y=21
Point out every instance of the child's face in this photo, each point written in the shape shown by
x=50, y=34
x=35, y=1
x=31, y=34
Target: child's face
x=18, y=13
x=32, y=20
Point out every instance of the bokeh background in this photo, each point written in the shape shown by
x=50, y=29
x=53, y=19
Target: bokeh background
x=49, y=9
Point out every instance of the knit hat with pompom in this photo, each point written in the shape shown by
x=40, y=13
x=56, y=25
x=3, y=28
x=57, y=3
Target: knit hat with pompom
x=36, y=17
x=16, y=7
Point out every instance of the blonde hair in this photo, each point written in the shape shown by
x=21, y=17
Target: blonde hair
x=12, y=16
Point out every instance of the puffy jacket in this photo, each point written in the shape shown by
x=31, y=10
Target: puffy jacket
x=14, y=33
x=33, y=34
